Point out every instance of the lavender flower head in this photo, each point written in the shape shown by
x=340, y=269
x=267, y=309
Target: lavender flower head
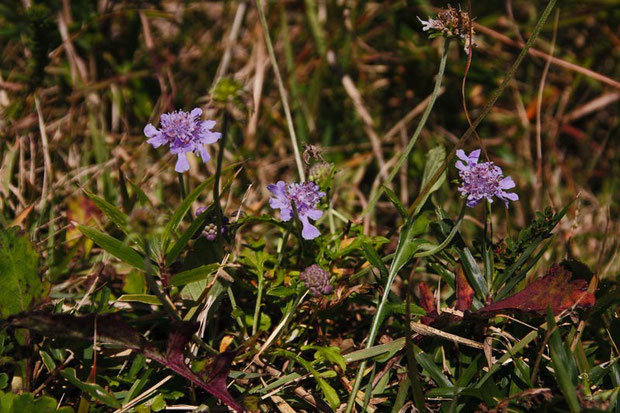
x=480, y=181
x=316, y=280
x=184, y=132
x=304, y=197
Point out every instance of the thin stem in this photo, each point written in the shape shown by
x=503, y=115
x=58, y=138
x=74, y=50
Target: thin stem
x=405, y=155
x=182, y=185
x=218, y=173
x=276, y=70
x=487, y=108
x=259, y=298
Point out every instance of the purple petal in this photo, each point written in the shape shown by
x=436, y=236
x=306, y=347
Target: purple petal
x=314, y=214
x=509, y=195
x=286, y=214
x=474, y=156
x=461, y=154
x=308, y=231
x=196, y=112
x=211, y=137
x=157, y=140
x=182, y=163
x=150, y=131
x=460, y=165
x=208, y=124
x=507, y=183
x=204, y=154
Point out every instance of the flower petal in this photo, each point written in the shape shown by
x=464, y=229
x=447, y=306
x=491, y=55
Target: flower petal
x=507, y=183
x=461, y=154
x=182, y=164
x=314, y=214
x=196, y=112
x=150, y=131
x=210, y=137
x=474, y=156
x=203, y=153
x=308, y=231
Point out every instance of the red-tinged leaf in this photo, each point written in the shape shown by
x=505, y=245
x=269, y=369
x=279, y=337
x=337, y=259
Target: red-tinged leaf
x=464, y=292
x=427, y=302
x=111, y=329
x=555, y=290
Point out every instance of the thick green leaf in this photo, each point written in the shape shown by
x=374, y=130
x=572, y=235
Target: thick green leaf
x=563, y=365
x=474, y=275
x=330, y=394
x=195, y=274
x=430, y=368
x=373, y=257
x=408, y=244
x=434, y=159
x=94, y=390
x=114, y=214
x=19, y=273
x=114, y=247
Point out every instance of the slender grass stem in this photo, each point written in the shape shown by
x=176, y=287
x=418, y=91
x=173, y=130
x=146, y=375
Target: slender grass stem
x=276, y=70
x=509, y=75
x=218, y=173
x=405, y=155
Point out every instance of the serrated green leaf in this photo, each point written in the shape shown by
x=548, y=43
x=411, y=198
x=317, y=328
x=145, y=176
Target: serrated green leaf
x=19, y=273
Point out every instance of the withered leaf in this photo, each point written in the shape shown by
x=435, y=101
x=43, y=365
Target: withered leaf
x=464, y=292
x=555, y=290
x=112, y=329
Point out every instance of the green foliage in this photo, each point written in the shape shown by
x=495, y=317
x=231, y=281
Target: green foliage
x=19, y=273
x=27, y=403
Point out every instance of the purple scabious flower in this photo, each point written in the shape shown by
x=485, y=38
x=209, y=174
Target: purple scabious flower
x=483, y=180
x=304, y=197
x=316, y=279
x=184, y=132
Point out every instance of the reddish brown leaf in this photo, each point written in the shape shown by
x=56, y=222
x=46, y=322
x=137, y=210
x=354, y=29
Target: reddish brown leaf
x=427, y=302
x=555, y=290
x=111, y=329
x=464, y=292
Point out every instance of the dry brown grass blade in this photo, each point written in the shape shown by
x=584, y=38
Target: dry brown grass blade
x=554, y=60
x=425, y=330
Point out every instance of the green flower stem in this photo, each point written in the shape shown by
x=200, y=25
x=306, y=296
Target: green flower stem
x=259, y=298
x=218, y=173
x=405, y=155
x=487, y=108
x=287, y=111
x=182, y=185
